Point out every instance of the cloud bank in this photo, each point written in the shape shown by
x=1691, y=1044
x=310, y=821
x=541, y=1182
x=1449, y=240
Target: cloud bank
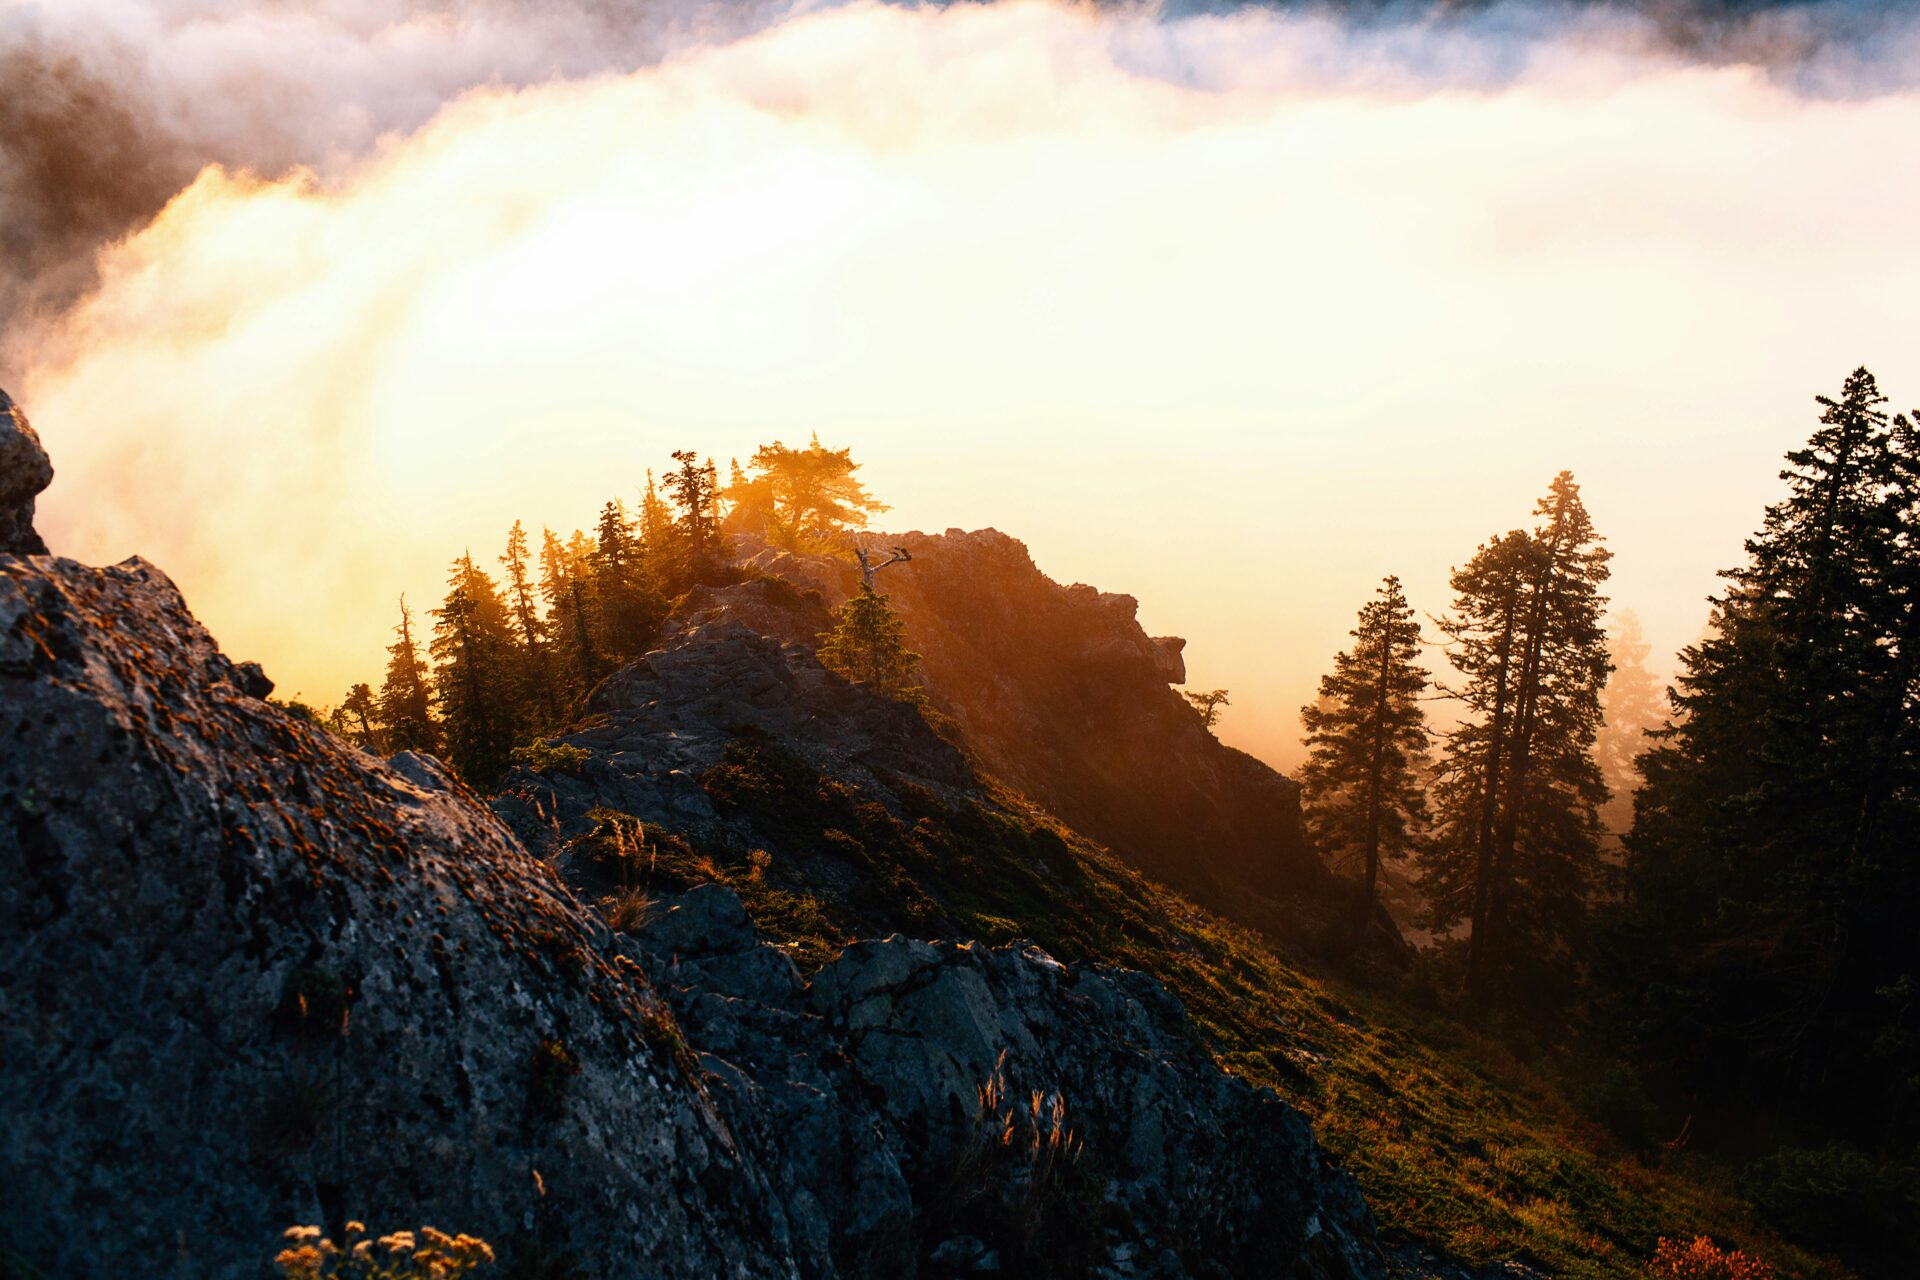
x=1236, y=312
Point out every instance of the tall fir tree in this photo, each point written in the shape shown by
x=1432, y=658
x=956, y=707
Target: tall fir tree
x=1773, y=869
x=406, y=695
x=698, y=545
x=1517, y=837
x=1363, y=782
x=535, y=670
x=868, y=645
x=631, y=607
x=473, y=675
x=565, y=583
x=655, y=525
x=359, y=710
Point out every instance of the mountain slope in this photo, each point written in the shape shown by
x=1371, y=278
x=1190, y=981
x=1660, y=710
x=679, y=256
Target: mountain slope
x=730, y=757
x=1061, y=695
x=251, y=976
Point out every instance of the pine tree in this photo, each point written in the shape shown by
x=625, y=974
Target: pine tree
x=535, y=675
x=1517, y=791
x=1367, y=741
x=564, y=583
x=631, y=608
x=406, y=697
x=1774, y=863
x=656, y=529
x=359, y=710
x=473, y=661
x=693, y=487
x=1208, y=704
x=868, y=645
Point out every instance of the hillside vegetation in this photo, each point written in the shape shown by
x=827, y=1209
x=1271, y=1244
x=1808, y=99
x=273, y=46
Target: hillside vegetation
x=1454, y=1140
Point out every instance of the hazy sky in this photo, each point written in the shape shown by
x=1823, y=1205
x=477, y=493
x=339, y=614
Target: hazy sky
x=1235, y=314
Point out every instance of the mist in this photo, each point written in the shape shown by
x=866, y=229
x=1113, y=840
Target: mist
x=1233, y=311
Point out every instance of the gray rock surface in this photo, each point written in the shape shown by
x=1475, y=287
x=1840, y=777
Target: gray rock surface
x=657, y=726
x=24, y=472
x=250, y=976
x=253, y=977
x=1181, y=1170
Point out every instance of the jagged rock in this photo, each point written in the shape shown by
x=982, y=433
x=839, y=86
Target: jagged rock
x=252, y=680
x=24, y=471
x=1169, y=659
x=662, y=723
x=1173, y=1149
x=254, y=977
x=1182, y=1151
x=770, y=606
x=1061, y=693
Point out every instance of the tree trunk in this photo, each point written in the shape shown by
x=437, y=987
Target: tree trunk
x=1376, y=766
x=1479, y=939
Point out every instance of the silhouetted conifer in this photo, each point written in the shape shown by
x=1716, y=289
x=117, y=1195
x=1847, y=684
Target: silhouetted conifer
x=360, y=710
x=1517, y=793
x=1774, y=863
x=698, y=548
x=565, y=581
x=406, y=696
x=473, y=675
x=535, y=675
x=631, y=607
x=1207, y=704
x=803, y=498
x=1367, y=741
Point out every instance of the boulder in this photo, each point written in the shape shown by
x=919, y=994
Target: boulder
x=1169, y=661
x=24, y=471
x=255, y=977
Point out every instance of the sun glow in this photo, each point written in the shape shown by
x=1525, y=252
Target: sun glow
x=1232, y=314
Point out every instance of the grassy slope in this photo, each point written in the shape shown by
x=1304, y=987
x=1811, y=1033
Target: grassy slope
x=1454, y=1141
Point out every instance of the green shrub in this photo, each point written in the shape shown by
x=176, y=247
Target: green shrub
x=548, y=756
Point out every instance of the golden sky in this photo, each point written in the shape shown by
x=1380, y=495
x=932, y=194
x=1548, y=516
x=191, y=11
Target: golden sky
x=1217, y=312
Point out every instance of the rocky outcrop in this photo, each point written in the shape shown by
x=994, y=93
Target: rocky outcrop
x=24, y=472
x=656, y=728
x=1058, y=691
x=1171, y=1168
x=251, y=976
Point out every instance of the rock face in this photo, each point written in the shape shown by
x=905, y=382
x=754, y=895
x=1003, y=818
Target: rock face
x=656, y=728
x=1178, y=1170
x=254, y=977
x=250, y=976
x=1061, y=693
x=24, y=472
